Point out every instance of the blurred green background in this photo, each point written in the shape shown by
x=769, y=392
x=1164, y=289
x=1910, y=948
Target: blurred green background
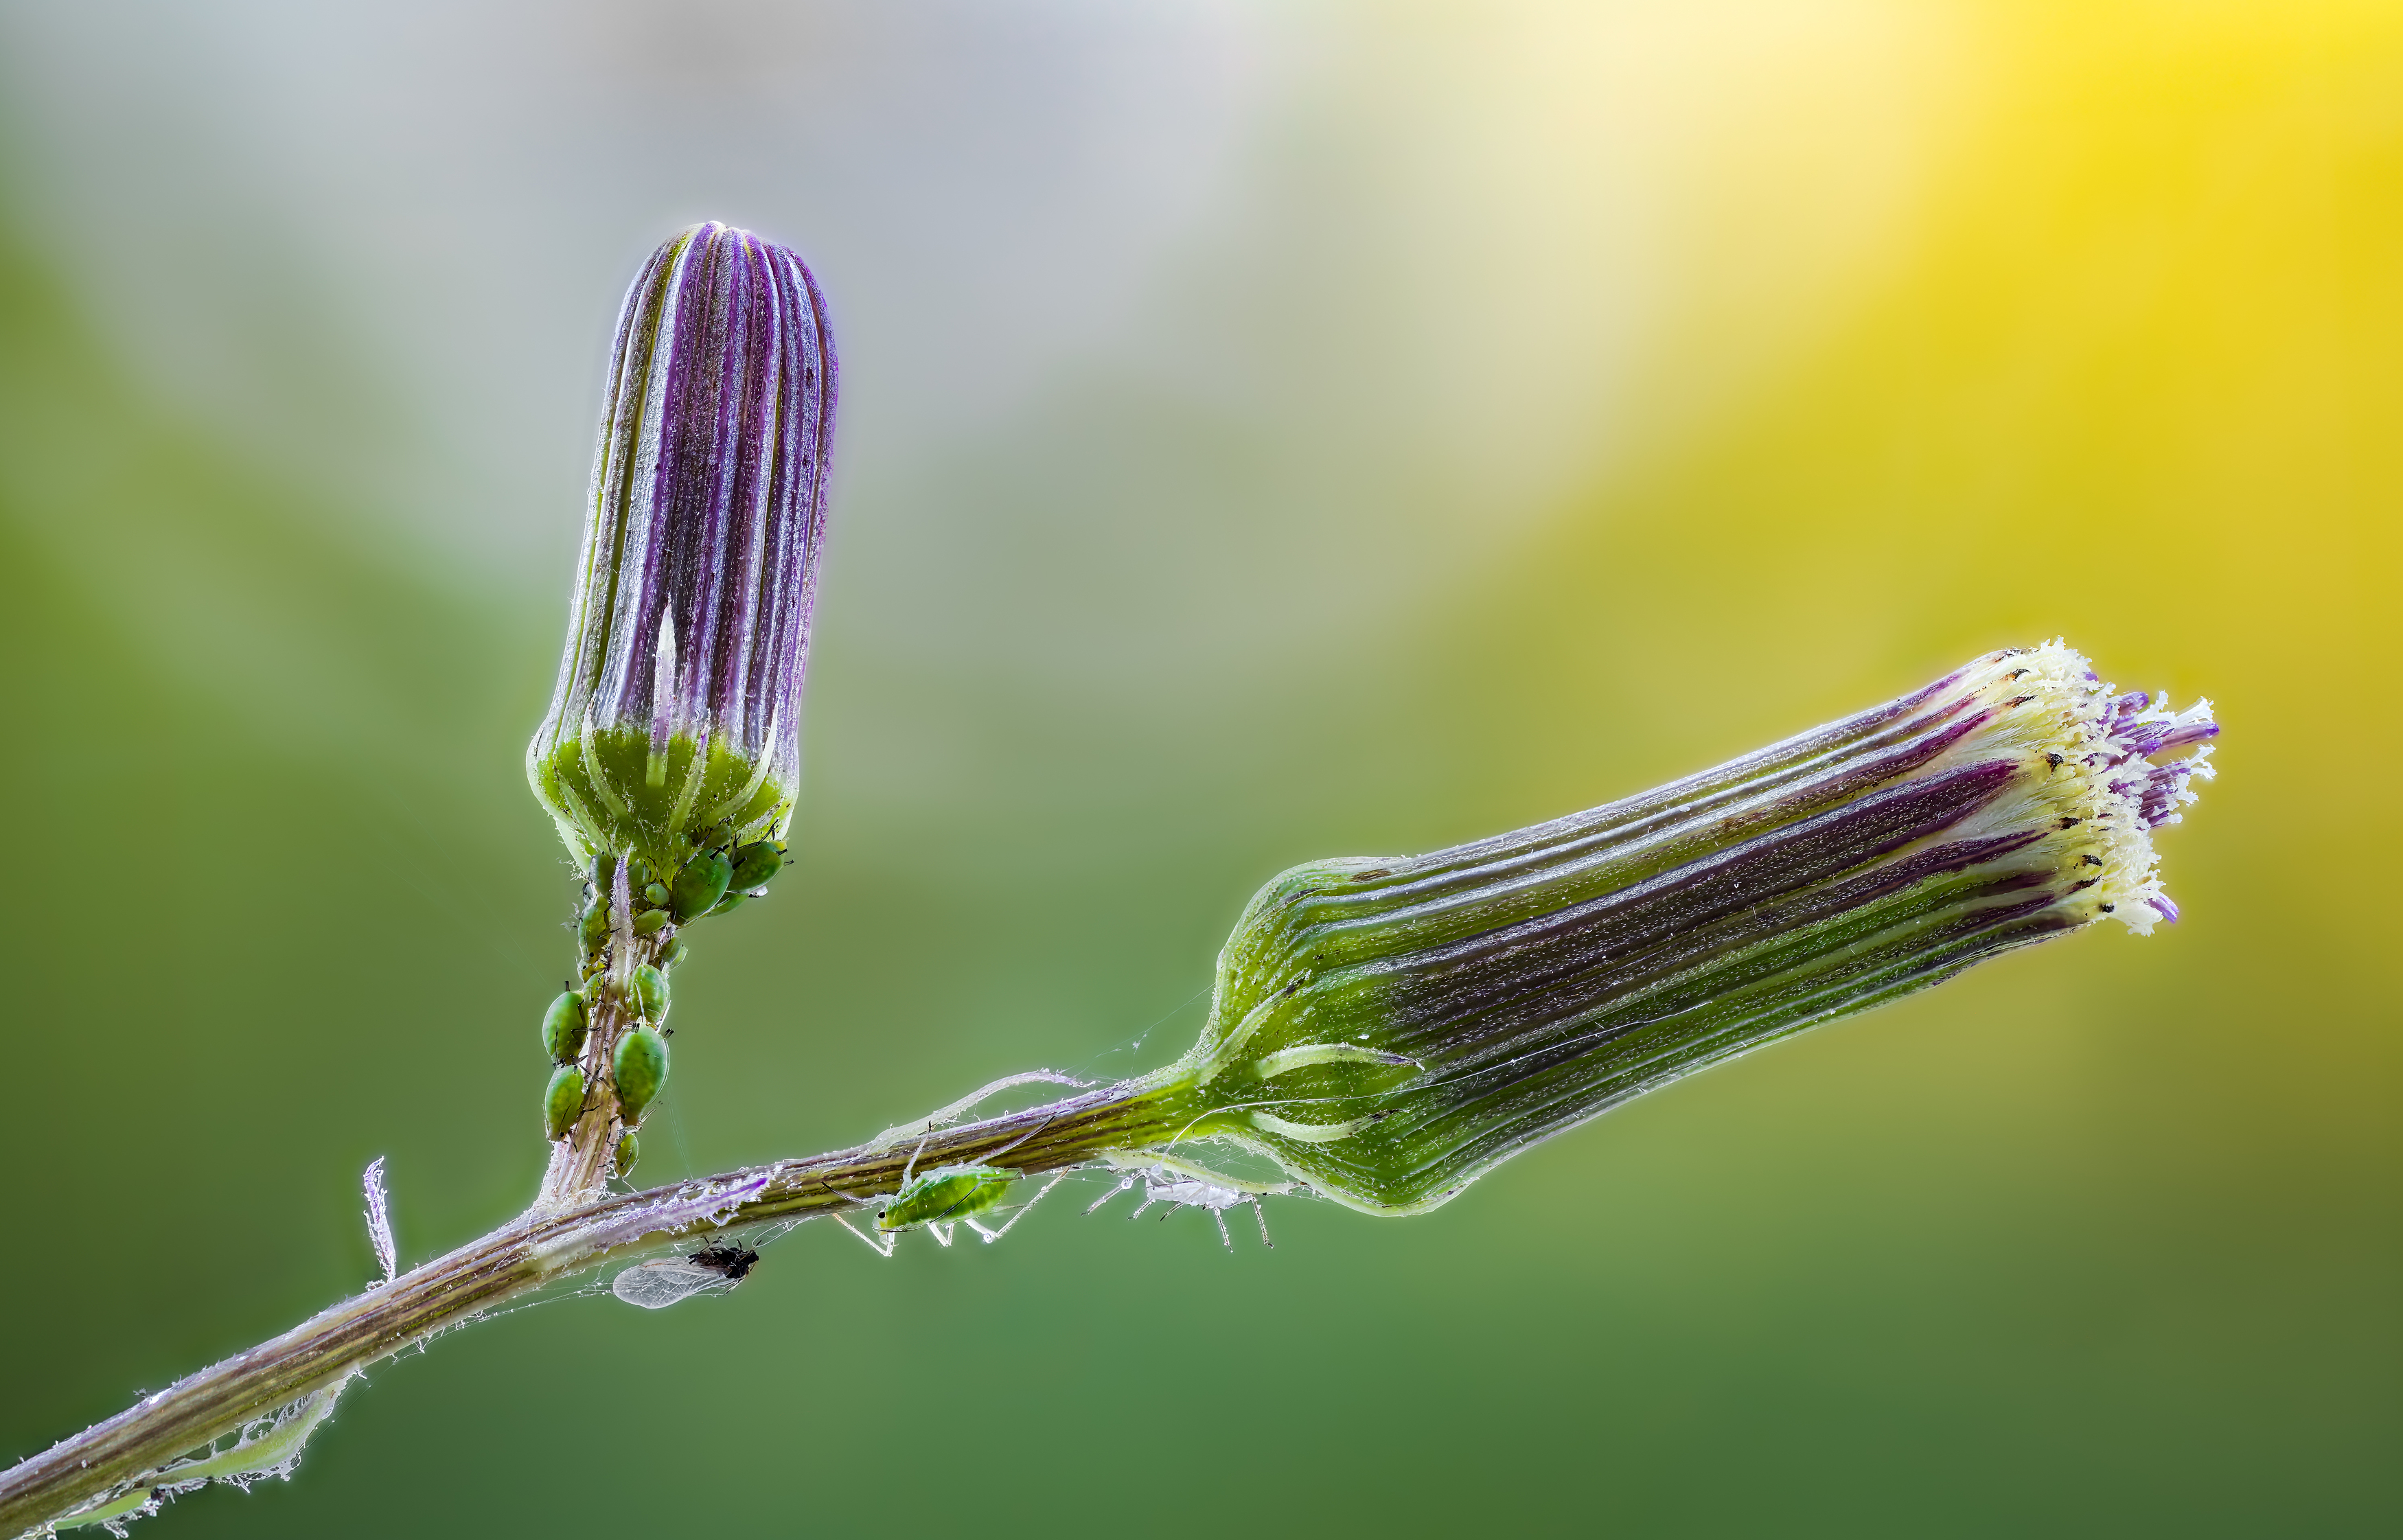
x=1270, y=432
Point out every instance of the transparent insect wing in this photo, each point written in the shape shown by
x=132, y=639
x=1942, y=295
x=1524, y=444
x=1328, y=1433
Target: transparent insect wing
x=656, y=1285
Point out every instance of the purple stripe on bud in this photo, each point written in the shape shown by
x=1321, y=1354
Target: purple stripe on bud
x=690, y=628
x=1386, y=1027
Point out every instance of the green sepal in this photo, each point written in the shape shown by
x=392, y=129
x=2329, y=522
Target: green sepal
x=601, y=792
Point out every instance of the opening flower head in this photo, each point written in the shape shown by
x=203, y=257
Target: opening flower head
x=1389, y=1028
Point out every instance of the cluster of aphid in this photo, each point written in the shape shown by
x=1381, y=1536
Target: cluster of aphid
x=625, y=961
x=940, y=1200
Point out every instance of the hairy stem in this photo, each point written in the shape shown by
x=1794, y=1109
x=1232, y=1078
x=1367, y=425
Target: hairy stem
x=582, y=1162
x=542, y=1246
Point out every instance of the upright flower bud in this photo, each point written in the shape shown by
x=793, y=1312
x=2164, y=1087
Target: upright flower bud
x=1390, y=1029
x=676, y=718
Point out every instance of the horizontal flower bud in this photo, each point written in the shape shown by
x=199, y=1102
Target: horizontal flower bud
x=1388, y=1029
x=678, y=713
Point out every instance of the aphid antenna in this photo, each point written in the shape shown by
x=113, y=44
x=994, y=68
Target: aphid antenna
x=883, y=1247
x=1141, y=1164
x=943, y=1116
x=1124, y=1183
x=995, y=1156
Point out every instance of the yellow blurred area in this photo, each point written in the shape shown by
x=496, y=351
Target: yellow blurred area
x=1270, y=435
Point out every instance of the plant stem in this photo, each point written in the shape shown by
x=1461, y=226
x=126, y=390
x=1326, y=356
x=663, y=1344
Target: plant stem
x=540, y=1247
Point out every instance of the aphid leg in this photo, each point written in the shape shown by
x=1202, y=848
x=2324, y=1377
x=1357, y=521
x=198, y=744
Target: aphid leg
x=1224, y=1239
x=990, y=1236
x=1261, y=1214
x=882, y=1248
x=911, y=1168
x=940, y=1231
x=1148, y=1201
x=1108, y=1196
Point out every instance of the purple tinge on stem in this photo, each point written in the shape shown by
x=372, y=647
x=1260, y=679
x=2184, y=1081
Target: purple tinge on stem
x=707, y=514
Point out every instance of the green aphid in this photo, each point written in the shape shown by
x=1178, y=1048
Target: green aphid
x=651, y=922
x=641, y=1068
x=945, y=1198
x=595, y=928
x=673, y=953
x=628, y=1151
x=639, y=874
x=563, y=1101
x=563, y=1028
x=754, y=864
x=655, y=894
x=728, y=904
x=650, y=992
x=701, y=884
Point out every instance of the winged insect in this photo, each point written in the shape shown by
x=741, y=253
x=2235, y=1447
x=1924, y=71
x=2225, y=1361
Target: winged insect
x=657, y=1285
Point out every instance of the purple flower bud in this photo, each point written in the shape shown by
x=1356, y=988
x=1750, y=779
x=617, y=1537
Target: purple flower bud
x=676, y=721
x=1388, y=1028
